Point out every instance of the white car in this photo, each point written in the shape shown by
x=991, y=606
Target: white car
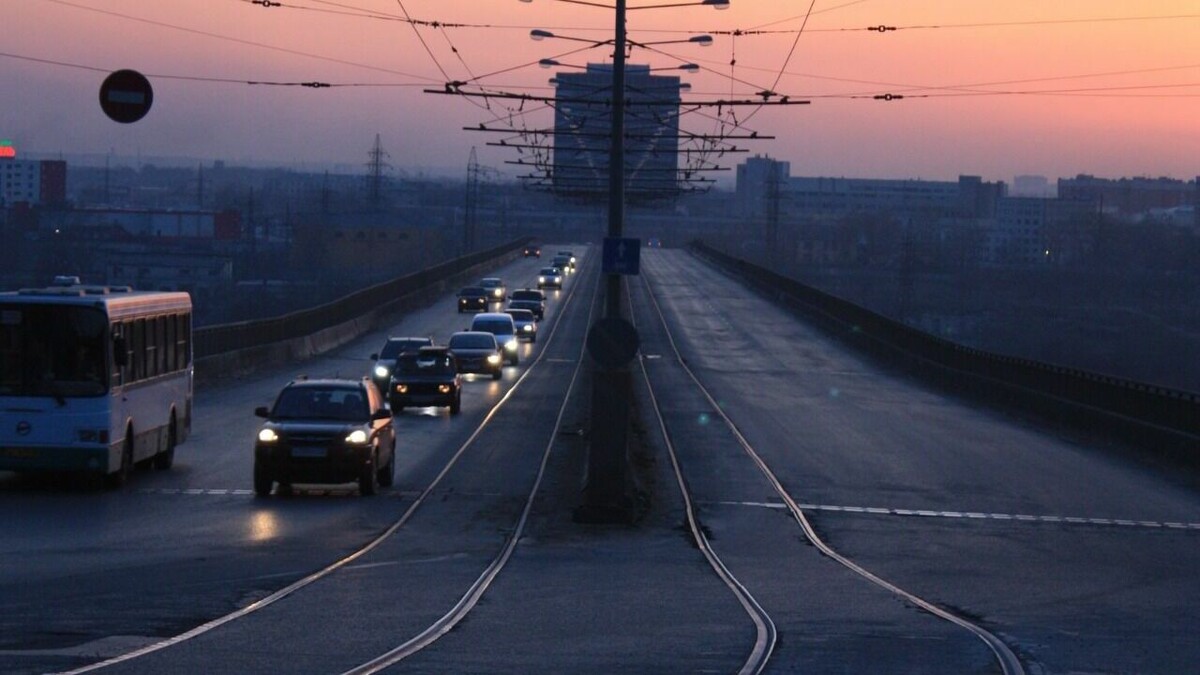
x=504, y=328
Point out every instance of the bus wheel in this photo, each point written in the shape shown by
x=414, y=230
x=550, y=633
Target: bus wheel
x=165, y=459
x=121, y=476
x=262, y=481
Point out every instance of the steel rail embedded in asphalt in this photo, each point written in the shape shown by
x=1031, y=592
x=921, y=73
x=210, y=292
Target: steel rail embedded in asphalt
x=293, y=588
x=1008, y=661
x=764, y=628
x=468, y=601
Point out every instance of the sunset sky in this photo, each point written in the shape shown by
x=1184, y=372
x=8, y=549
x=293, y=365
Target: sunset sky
x=1125, y=101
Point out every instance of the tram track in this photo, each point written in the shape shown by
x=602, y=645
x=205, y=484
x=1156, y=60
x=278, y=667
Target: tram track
x=765, y=632
x=461, y=608
x=1004, y=656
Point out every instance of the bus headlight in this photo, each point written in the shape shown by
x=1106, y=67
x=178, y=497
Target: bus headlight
x=381, y=372
x=358, y=437
x=493, y=359
x=268, y=436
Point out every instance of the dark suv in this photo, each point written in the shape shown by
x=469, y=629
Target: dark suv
x=385, y=360
x=426, y=377
x=325, y=431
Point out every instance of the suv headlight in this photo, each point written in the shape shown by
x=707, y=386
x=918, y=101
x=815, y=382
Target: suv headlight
x=381, y=372
x=541, y=280
x=268, y=436
x=402, y=389
x=358, y=437
x=493, y=359
x=444, y=388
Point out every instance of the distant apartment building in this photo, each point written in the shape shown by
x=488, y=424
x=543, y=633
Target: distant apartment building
x=1031, y=230
x=761, y=180
x=1127, y=196
x=1031, y=186
x=32, y=182
x=134, y=223
x=583, y=132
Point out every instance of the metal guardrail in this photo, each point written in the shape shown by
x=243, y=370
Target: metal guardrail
x=1163, y=409
x=220, y=339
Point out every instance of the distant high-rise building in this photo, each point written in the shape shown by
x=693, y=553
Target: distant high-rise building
x=1031, y=186
x=32, y=182
x=583, y=126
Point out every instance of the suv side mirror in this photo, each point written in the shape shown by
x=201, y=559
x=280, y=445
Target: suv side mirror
x=262, y=411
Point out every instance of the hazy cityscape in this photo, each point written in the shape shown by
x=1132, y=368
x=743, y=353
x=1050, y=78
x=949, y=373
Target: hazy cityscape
x=1089, y=272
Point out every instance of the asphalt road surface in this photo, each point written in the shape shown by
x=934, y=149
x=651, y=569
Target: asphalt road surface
x=1080, y=560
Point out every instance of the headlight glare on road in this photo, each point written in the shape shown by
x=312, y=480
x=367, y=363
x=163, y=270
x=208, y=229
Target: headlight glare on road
x=357, y=437
x=268, y=436
x=381, y=371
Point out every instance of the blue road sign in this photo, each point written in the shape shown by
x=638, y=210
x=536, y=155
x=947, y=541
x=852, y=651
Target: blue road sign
x=622, y=256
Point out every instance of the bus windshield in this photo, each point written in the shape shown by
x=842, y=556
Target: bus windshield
x=52, y=350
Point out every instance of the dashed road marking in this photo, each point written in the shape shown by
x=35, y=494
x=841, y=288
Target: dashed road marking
x=976, y=515
x=224, y=492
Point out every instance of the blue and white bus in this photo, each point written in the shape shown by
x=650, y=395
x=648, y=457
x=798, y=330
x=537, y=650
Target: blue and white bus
x=93, y=378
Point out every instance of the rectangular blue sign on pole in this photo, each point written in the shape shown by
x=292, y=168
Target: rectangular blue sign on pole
x=622, y=255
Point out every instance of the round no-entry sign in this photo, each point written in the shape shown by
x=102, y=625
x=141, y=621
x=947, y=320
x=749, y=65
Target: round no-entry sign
x=126, y=96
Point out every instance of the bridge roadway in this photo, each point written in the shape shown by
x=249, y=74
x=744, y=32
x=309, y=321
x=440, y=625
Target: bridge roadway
x=1080, y=560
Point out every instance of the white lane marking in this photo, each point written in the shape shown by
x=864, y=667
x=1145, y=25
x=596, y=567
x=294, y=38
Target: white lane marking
x=971, y=515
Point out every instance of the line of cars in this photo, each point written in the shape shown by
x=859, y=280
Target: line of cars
x=337, y=431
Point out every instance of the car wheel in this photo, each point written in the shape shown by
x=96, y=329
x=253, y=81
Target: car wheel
x=368, y=480
x=166, y=459
x=387, y=475
x=262, y=481
x=456, y=405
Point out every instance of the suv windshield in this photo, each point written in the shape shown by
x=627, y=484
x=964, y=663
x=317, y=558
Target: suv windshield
x=495, y=326
x=425, y=364
x=472, y=342
x=395, y=347
x=343, y=404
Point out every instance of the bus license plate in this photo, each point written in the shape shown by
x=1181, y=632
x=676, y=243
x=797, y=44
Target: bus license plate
x=308, y=452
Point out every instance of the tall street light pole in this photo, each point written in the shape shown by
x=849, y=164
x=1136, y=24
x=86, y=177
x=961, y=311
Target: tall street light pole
x=616, y=161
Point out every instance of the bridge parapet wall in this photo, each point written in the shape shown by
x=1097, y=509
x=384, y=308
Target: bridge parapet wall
x=1164, y=420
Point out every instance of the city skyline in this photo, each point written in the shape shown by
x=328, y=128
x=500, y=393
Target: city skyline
x=971, y=101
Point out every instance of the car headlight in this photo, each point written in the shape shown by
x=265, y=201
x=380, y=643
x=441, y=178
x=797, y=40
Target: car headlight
x=381, y=372
x=493, y=359
x=497, y=292
x=268, y=436
x=358, y=437
x=402, y=389
x=541, y=280
x=572, y=260
x=444, y=388
x=511, y=345
x=528, y=328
